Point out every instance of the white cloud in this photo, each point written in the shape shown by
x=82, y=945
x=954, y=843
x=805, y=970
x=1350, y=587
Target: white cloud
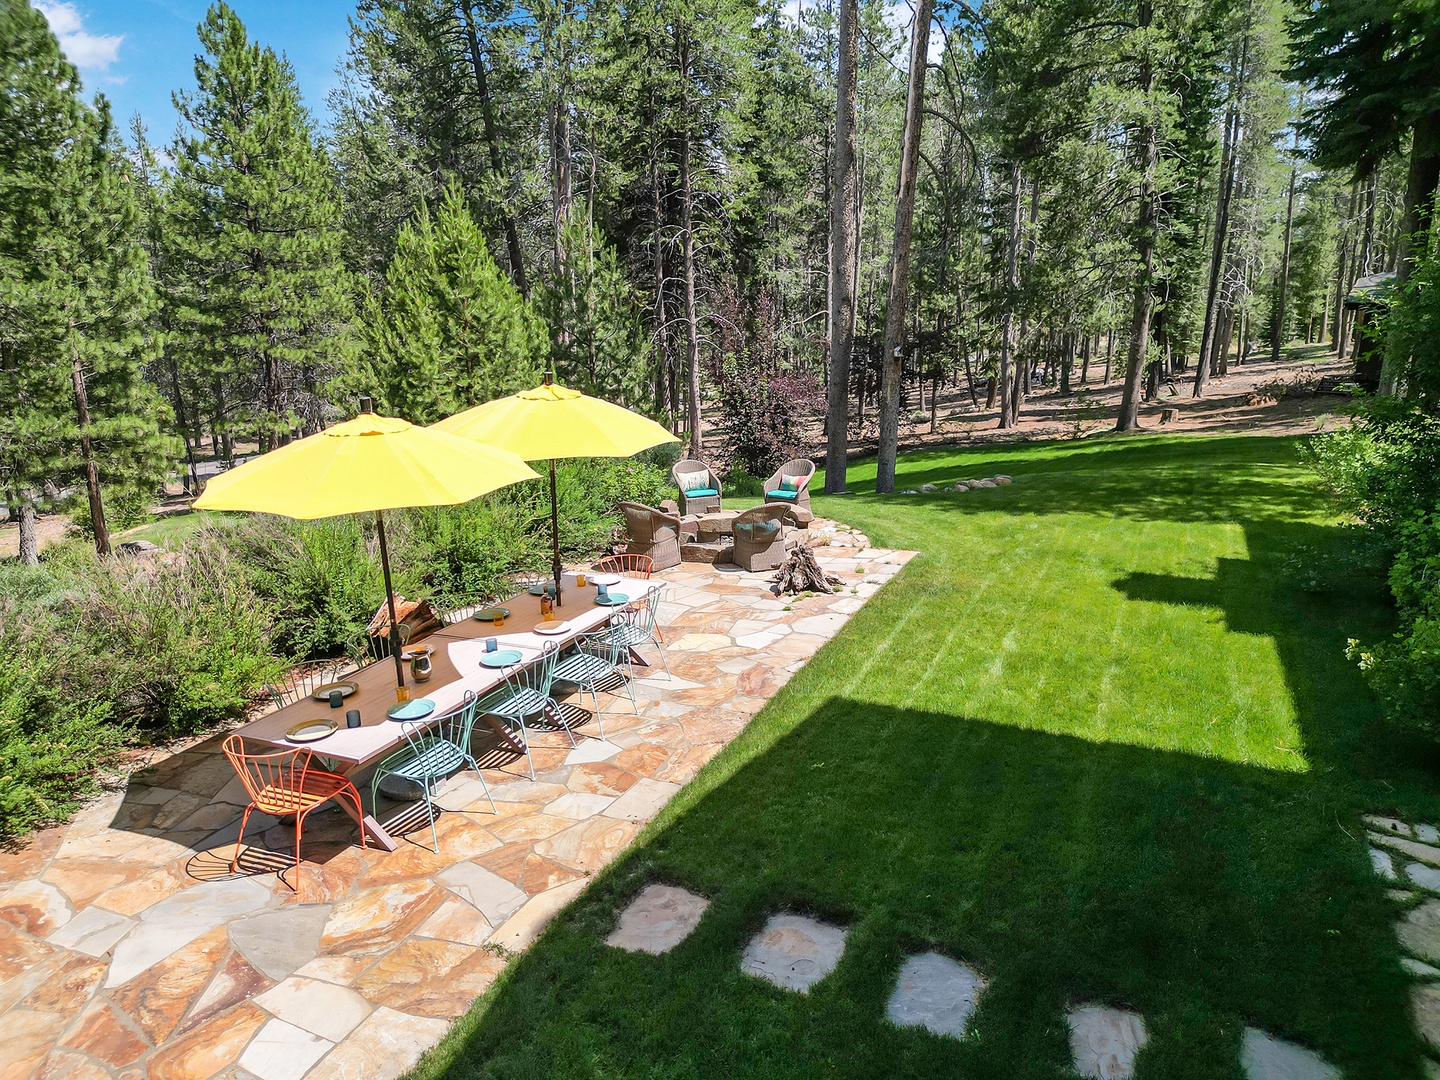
x=87, y=51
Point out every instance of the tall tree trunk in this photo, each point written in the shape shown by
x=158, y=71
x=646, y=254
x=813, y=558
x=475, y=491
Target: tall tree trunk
x=1228, y=157
x=22, y=506
x=1342, y=271
x=687, y=211
x=844, y=243
x=1282, y=286
x=1129, y=415
x=1012, y=289
x=1109, y=351
x=87, y=455
x=487, y=115
x=1020, y=389
x=1420, y=189
x=892, y=360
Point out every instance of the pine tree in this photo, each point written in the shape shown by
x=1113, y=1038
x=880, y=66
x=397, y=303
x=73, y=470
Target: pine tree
x=450, y=330
x=257, y=223
x=75, y=294
x=597, y=341
x=38, y=115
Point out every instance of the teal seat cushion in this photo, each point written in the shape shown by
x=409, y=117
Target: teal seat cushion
x=781, y=494
x=700, y=493
x=757, y=530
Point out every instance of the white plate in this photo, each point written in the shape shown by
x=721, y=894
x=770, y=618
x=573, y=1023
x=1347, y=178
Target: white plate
x=552, y=629
x=604, y=579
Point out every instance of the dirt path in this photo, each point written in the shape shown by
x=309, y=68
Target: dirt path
x=1257, y=398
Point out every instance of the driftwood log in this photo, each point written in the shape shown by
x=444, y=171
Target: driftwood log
x=801, y=573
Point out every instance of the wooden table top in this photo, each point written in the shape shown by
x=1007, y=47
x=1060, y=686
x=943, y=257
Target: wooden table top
x=457, y=649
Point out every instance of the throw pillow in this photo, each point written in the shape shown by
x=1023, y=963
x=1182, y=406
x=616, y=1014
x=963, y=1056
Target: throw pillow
x=693, y=481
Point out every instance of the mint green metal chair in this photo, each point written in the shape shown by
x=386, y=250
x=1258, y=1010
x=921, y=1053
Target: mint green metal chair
x=525, y=695
x=637, y=625
x=433, y=750
x=602, y=661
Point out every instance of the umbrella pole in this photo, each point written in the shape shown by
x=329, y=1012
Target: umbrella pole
x=390, y=599
x=555, y=531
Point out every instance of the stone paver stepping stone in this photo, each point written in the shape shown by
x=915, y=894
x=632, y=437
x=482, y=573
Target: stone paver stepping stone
x=936, y=993
x=1427, y=877
x=170, y=925
x=321, y=1008
x=794, y=952
x=658, y=919
x=282, y=1051
x=93, y=931
x=1264, y=1057
x=1425, y=1003
x=1419, y=931
x=1104, y=1041
x=592, y=750
x=1382, y=863
x=280, y=943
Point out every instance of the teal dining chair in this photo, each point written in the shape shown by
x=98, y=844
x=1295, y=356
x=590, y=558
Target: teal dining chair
x=637, y=625
x=526, y=694
x=602, y=661
x=433, y=750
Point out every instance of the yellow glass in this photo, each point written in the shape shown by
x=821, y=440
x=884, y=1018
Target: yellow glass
x=580, y=581
x=499, y=617
x=402, y=694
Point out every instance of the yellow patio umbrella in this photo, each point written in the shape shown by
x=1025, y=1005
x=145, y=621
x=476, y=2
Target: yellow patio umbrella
x=550, y=422
x=370, y=463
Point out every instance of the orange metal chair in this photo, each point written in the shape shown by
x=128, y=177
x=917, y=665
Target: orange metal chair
x=636, y=566
x=282, y=783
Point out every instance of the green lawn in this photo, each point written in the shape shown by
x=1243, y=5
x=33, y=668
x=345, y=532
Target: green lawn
x=1094, y=741
x=173, y=529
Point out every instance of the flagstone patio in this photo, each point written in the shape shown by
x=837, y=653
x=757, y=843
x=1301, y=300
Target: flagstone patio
x=127, y=950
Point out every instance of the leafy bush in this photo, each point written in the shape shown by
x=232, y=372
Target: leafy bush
x=762, y=405
x=319, y=581
x=53, y=743
x=744, y=484
x=1385, y=470
x=172, y=644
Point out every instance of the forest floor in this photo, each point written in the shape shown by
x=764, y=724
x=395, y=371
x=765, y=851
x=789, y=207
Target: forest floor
x=1099, y=741
x=1286, y=405
x=1255, y=398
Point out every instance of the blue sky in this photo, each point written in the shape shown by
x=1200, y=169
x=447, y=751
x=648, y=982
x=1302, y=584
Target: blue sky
x=137, y=51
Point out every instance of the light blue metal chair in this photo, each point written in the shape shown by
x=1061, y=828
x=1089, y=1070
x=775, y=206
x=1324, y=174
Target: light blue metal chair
x=526, y=694
x=638, y=626
x=601, y=661
x=433, y=750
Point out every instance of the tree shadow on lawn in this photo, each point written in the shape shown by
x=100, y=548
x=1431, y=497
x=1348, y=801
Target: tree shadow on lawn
x=1203, y=893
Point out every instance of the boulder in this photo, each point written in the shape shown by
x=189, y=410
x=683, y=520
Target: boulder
x=1003, y=479
x=961, y=486
x=927, y=488
x=985, y=484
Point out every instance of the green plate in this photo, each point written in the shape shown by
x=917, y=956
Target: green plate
x=488, y=615
x=615, y=599
x=411, y=710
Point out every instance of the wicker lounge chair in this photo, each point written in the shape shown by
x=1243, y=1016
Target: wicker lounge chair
x=652, y=532
x=759, y=542
x=791, y=483
x=703, y=494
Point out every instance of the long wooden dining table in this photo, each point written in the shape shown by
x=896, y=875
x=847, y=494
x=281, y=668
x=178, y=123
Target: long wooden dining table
x=455, y=656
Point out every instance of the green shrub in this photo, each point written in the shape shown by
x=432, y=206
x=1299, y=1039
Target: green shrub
x=1385, y=470
x=53, y=743
x=744, y=484
x=173, y=644
x=318, y=581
